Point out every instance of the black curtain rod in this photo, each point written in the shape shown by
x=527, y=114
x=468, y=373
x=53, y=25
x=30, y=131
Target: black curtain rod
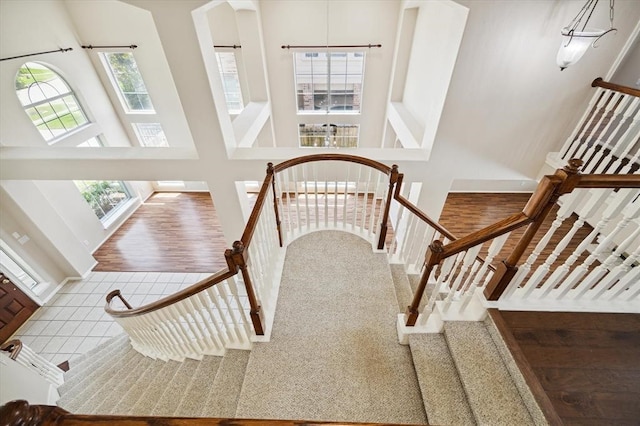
x=61, y=50
x=131, y=46
x=288, y=46
x=234, y=46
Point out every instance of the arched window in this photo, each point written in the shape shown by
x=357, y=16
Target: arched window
x=48, y=101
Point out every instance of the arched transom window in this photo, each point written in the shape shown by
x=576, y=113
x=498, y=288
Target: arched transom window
x=48, y=101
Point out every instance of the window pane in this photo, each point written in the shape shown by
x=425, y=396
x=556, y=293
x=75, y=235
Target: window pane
x=230, y=81
x=48, y=101
x=104, y=197
x=329, y=82
x=128, y=80
x=329, y=135
x=150, y=134
x=94, y=142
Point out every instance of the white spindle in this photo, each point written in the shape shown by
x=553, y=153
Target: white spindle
x=596, y=137
x=618, y=205
x=626, y=143
x=603, y=114
x=595, y=283
x=573, y=140
x=614, y=141
x=467, y=259
x=447, y=265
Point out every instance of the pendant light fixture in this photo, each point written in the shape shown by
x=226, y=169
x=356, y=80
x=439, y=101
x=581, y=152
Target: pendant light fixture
x=577, y=37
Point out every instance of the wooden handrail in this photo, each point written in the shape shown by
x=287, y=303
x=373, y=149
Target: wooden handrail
x=609, y=181
x=252, y=223
x=169, y=300
x=332, y=157
x=19, y=412
x=13, y=347
x=599, y=82
x=419, y=213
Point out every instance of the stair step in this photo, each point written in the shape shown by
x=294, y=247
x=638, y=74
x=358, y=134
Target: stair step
x=110, y=396
x=84, y=389
x=401, y=286
x=135, y=392
x=88, y=364
x=195, y=396
x=80, y=359
x=222, y=399
x=492, y=395
x=169, y=401
x=153, y=390
x=444, y=398
x=107, y=391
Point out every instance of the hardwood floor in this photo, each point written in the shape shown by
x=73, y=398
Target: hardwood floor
x=170, y=232
x=587, y=363
x=464, y=213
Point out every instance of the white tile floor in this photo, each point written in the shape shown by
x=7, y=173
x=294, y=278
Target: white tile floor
x=74, y=320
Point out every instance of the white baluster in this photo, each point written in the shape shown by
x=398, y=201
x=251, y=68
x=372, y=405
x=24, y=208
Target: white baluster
x=634, y=160
x=616, y=272
x=239, y=316
x=181, y=346
x=447, y=265
x=618, y=204
x=627, y=288
x=314, y=167
x=615, y=142
x=184, y=328
x=494, y=248
x=208, y=320
x=468, y=259
x=294, y=176
x=164, y=346
x=570, y=203
x=627, y=141
x=618, y=100
x=603, y=114
x=573, y=140
x=594, y=202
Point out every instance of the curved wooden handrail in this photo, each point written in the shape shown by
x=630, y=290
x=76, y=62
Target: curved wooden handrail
x=333, y=157
x=13, y=347
x=169, y=300
x=599, y=82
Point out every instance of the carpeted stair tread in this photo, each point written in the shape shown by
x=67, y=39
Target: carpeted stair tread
x=111, y=395
x=75, y=397
x=444, y=398
x=195, y=395
x=135, y=392
x=484, y=376
x=404, y=294
x=516, y=374
x=95, y=358
x=119, y=373
x=222, y=399
x=80, y=359
x=154, y=390
x=92, y=368
x=169, y=401
x=334, y=341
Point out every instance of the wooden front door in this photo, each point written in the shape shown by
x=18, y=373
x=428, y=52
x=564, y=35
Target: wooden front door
x=15, y=308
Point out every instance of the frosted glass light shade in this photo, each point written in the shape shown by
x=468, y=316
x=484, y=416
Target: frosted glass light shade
x=574, y=46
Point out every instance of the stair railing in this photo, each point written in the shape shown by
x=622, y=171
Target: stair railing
x=458, y=273
x=607, y=139
x=24, y=355
x=210, y=316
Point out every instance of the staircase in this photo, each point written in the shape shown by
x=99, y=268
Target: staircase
x=460, y=374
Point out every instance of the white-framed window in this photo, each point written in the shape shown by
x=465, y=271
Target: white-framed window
x=329, y=135
x=48, y=101
x=230, y=81
x=126, y=78
x=150, y=135
x=329, y=82
x=104, y=197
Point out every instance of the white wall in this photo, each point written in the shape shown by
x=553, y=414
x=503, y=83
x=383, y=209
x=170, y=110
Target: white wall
x=628, y=74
